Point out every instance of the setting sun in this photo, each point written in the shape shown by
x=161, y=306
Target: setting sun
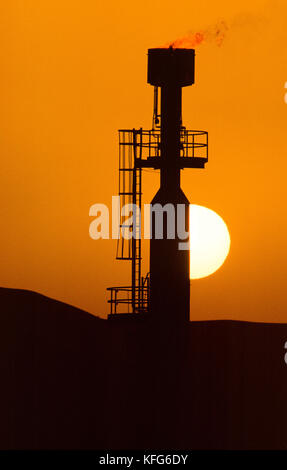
x=209, y=241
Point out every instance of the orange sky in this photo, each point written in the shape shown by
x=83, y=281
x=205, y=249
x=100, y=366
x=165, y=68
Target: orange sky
x=72, y=73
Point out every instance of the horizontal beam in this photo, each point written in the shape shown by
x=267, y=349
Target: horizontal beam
x=182, y=162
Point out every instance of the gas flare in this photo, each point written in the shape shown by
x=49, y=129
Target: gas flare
x=214, y=34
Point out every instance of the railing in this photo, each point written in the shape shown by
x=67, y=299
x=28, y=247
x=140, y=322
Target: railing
x=146, y=141
x=120, y=296
x=194, y=144
x=116, y=298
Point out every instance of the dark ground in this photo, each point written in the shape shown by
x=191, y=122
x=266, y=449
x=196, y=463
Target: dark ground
x=70, y=380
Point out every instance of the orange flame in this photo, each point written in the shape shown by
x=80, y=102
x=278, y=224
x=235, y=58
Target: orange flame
x=214, y=34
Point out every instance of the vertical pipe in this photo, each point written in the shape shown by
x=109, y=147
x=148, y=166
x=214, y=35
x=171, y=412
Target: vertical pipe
x=170, y=135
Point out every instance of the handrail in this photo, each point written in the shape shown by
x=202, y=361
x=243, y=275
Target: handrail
x=115, y=300
x=194, y=143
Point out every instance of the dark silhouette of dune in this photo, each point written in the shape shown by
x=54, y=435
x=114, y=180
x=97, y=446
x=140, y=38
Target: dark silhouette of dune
x=70, y=380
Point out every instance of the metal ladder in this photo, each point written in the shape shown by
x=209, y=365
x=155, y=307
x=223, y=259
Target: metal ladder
x=130, y=192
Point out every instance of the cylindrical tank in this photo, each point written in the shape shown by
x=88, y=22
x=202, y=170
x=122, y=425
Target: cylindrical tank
x=171, y=65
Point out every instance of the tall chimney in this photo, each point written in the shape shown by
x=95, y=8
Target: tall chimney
x=170, y=69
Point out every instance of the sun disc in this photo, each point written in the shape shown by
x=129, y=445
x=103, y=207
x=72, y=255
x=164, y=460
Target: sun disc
x=209, y=241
